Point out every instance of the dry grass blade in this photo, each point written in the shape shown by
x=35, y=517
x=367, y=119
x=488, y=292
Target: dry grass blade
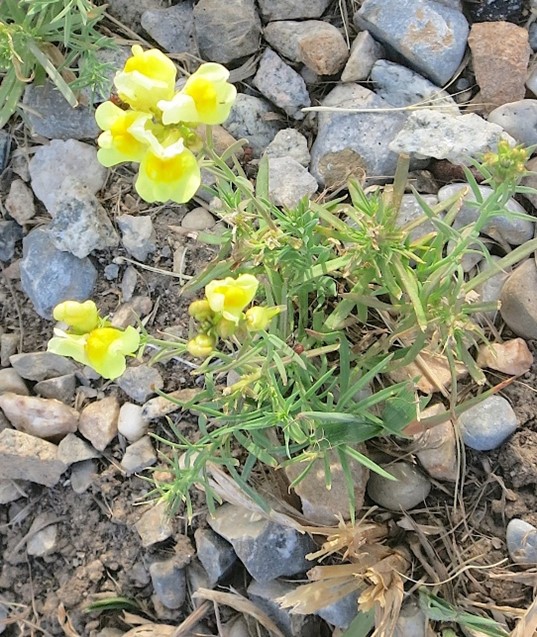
x=310, y=598
x=527, y=626
x=151, y=630
x=241, y=605
x=65, y=622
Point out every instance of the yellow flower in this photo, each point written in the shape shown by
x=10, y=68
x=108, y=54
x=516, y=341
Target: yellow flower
x=258, y=318
x=80, y=317
x=168, y=170
x=117, y=144
x=148, y=76
x=230, y=296
x=206, y=98
x=104, y=348
x=201, y=346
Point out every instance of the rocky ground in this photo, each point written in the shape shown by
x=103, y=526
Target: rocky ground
x=75, y=524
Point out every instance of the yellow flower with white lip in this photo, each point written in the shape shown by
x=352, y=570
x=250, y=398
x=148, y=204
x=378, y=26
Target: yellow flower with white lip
x=117, y=143
x=201, y=346
x=147, y=77
x=104, y=348
x=206, y=98
x=168, y=170
x=230, y=296
x=258, y=318
x=80, y=317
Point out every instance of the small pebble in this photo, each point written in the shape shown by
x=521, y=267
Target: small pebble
x=61, y=388
x=290, y=143
x=169, y=583
x=365, y=51
x=518, y=300
x=409, y=489
x=216, y=555
x=140, y=382
x=10, y=234
x=20, y=202
x=172, y=28
x=43, y=541
x=11, y=381
x=521, y=540
x=519, y=119
x=73, y=449
x=82, y=475
x=155, y=525
x=138, y=456
x=131, y=423
x=487, y=425
x=98, y=422
x=9, y=344
x=40, y=366
x=289, y=182
x=512, y=357
x=198, y=219
x=138, y=235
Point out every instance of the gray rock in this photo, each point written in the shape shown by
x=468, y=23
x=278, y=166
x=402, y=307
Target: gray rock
x=267, y=550
x=41, y=365
x=138, y=456
x=431, y=133
x=130, y=313
x=531, y=181
x=292, y=9
x=409, y=489
x=322, y=505
x=349, y=144
x=50, y=276
x=82, y=475
x=324, y=51
x=10, y=233
x=532, y=32
x=81, y=224
x=128, y=283
x=138, y=235
x=216, y=555
x=487, y=425
x=25, y=457
x=11, y=490
x=490, y=290
x=130, y=13
x=250, y=118
x=414, y=29
x=412, y=621
x=169, y=583
x=60, y=165
x=73, y=449
x=5, y=147
x=173, y=27
x=3, y=616
x=265, y=596
x=518, y=300
x=519, y=119
x=281, y=84
x=504, y=226
x=198, y=219
x=365, y=51
x=111, y=271
x=43, y=535
x=112, y=59
x=9, y=344
x=98, y=422
x=20, y=202
x=50, y=114
x=341, y=613
x=289, y=182
x=131, y=423
x=402, y=87
x=155, y=525
x=285, y=36
x=140, y=382
x=521, y=540
x=41, y=417
x=227, y=32
x=410, y=210
x=61, y=388
x=11, y=381
x=290, y=143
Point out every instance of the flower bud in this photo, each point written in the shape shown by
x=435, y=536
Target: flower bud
x=225, y=328
x=201, y=346
x=258, y=318
x=200, y=310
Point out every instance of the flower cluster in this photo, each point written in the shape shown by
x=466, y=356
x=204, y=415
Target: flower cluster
x=221, y=314
x=155, y=125
x=91, y=340
x=508, y=163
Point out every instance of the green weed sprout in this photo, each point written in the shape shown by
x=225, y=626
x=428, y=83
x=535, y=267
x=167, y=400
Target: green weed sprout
x=40, y=38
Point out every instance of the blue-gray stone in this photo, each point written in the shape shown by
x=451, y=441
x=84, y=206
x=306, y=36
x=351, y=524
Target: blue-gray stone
x=10, y=233
x=250, y=118
x=349, y=144
x=169, y=583
x=519, y=119
x=400, y=86
x=488, y=425
x=172, y=27
x=5, y=145
x=291, y=9
x=267, y=550
x=216, y=555
x=533, y=35
x=50, y=276
x=342, y=612
x=521, y=540
x=51, y=115
x=429, y=35
x=409, y=488
x=281, y=84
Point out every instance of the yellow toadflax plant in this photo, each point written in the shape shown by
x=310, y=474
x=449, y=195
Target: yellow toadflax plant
x=375, y=571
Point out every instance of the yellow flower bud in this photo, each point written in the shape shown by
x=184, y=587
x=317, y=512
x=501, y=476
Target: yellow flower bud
x=201, y=346
x=200, y=310
x=258, y=318
x=80, y=317
x=225, y=328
